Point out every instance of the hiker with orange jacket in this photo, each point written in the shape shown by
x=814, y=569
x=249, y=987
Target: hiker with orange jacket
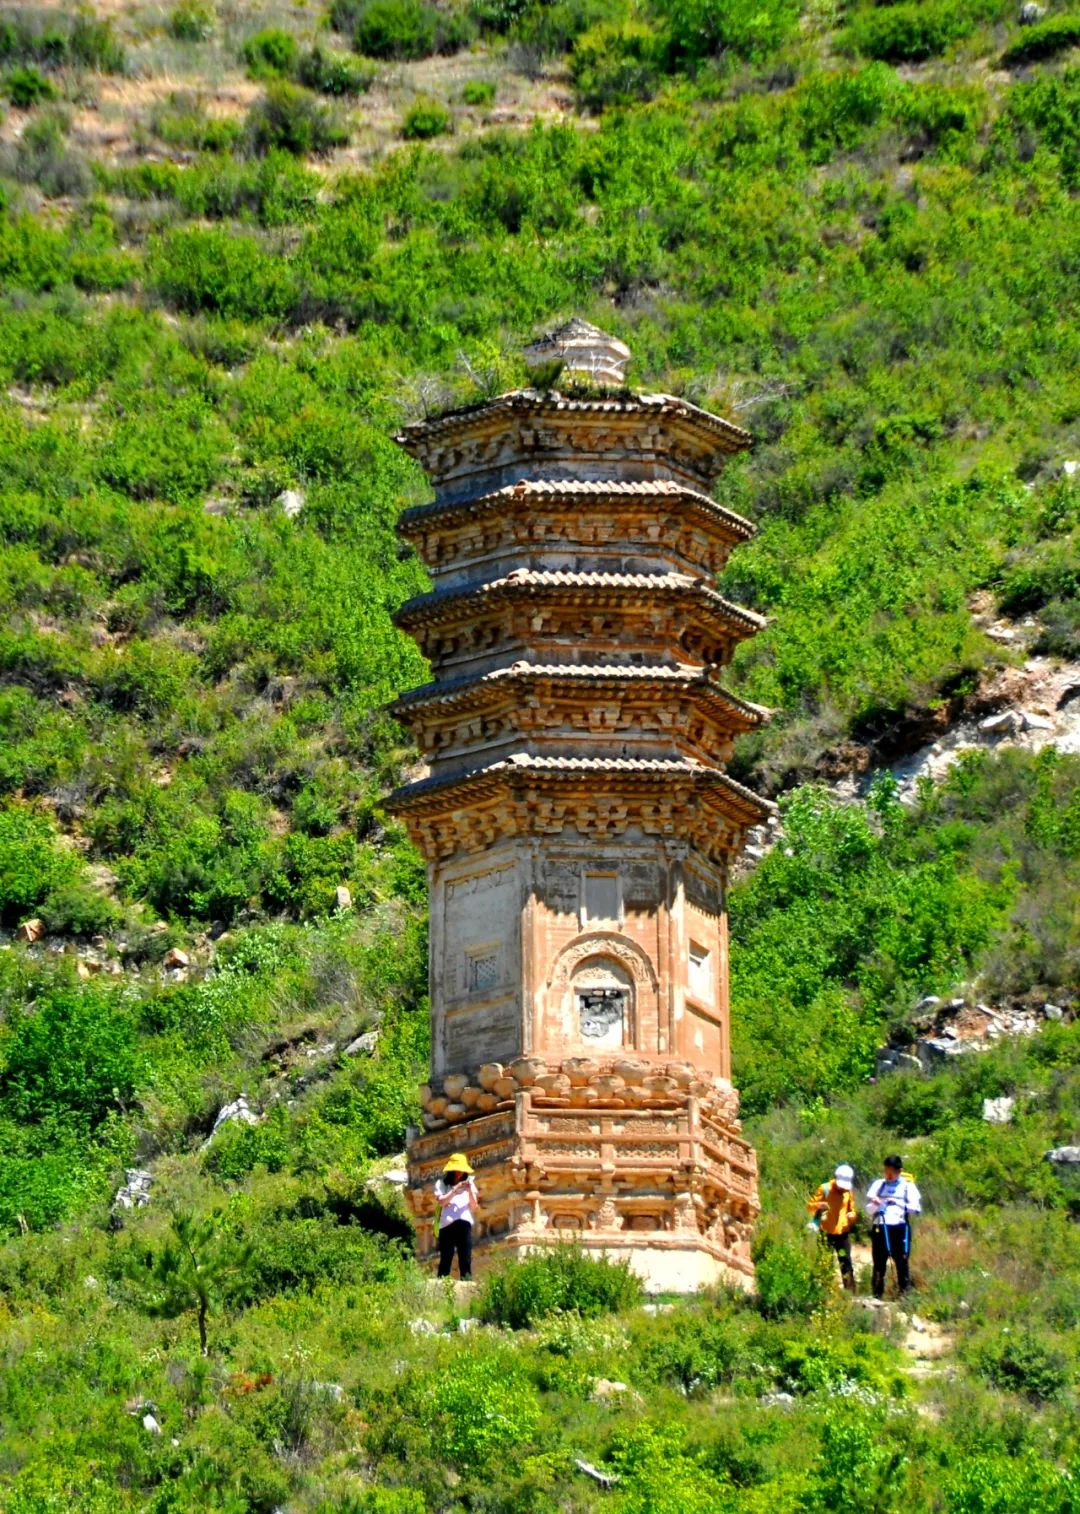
x=833, y=1206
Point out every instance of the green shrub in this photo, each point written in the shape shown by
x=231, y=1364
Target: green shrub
x=700, y=29
x=403, y=30
x=566, y=1278
x=1042, y=40
x=908, y=33
x=181, y=121
x=74, y=1054
x=214, y=270
x=32, y=864
x=289, y=119
x=192, y=21
x=333, y=73
x=270, y=54
x=476, y=1406
x=41, y=156
x=696, y=1352
x=1025, y=1362
x=478, y=92
x=616, y=63
x=791, y=1278
x=76, y=909
x=26, y=87
x=424, y=119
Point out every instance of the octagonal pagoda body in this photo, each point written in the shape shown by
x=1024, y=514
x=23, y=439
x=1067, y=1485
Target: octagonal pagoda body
x=577, y=822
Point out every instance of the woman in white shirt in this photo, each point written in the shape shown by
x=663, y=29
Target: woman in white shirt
x=458, y=1200
x=891, y=1201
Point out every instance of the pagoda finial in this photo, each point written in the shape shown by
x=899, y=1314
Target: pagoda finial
x=583, y=350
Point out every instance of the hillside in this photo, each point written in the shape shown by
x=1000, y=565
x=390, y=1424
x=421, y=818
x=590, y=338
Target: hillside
x=239, y=246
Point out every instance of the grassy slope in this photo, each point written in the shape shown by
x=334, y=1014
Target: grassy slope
x=875, y=263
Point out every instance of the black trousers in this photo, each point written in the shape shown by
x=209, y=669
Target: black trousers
x=841, y=1244
x=891, y=1243
x=456, y=1236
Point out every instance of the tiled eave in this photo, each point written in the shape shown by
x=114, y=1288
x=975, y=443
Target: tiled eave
x=418, y=438
x=569, y=495
x=587, y=589
x=587, y=774
x=585, y=682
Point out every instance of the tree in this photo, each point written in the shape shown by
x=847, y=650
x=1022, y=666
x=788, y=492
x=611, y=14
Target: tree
x=199, y=1266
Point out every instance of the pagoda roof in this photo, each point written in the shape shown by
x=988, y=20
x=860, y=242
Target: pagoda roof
x=595, y=588
x=741, y=804
x=572, y=491
x=418, y=437
x=471, y=689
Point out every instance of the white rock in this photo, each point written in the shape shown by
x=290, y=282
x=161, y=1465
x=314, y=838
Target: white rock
x=291, y=502
x=136, y=1190
x=423, y=1327
x=1052, y=1012
x=238, y=1112
x=1030, y=13
x=1072, y=467
x=150, y=1424
x=174, y=957
x=998, y=1111
x=1033, y=722
x=363, y=1045
x=928, y=1001
x=998, y=725
x=397, y=1175
x=1064, y=1156
x=342, y=898
x=776, y=1400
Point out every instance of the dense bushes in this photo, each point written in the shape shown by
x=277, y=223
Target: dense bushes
x=567, y=1278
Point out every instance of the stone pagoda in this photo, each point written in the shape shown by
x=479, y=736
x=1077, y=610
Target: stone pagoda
x=578, y=826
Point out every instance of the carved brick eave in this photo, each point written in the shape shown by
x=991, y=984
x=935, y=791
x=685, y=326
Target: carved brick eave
x=598, y=798
x=576, y=498
x=627, y=592
x=529, y=425
x=506, y=688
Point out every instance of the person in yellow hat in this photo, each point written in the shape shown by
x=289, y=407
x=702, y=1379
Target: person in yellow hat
x=458, y=1201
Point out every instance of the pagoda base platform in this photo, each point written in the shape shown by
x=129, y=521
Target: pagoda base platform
x=652, y=1170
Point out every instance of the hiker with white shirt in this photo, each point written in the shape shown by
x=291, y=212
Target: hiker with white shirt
x=891, y=1201
x=458, y=1201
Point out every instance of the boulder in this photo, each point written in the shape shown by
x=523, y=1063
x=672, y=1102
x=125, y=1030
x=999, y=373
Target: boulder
x=239, y=1112
x=1052, y=1012
x=342, y=897
x=1030, y=13
x=291, y=502
x=1064, y=1156
x=1007, y=722
x=633, y=1070
x=135, y=1193
x=174, y=957
x=998, y=1111
x=935, y=1050
x=31, y=930
x=364, y=1045
x=1033, y=722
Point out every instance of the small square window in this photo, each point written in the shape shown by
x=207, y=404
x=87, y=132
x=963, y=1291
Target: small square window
x=700, y=975
x=484, y=970
x=602, y=896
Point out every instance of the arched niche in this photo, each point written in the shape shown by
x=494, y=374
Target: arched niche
x=598, y=985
